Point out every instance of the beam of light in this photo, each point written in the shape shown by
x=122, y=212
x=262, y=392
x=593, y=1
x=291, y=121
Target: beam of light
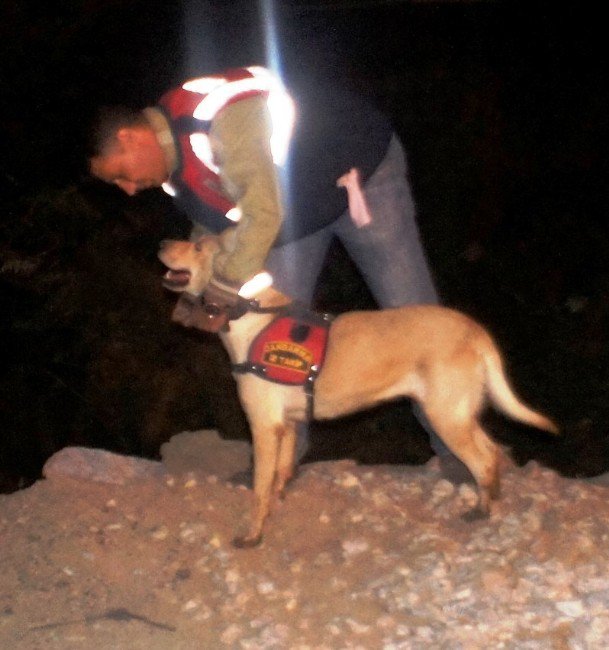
x=271, y=44
x=269, y=23
x=199, y=40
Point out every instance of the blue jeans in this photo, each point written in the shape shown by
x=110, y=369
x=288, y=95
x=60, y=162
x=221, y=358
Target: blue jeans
x=387, y=252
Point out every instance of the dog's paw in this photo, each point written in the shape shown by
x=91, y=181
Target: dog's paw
x=247, y=541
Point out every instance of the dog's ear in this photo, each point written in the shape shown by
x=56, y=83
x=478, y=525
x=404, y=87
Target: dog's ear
x=207, y=243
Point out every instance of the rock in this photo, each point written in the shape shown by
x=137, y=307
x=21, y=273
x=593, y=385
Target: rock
x=205, y=452
x=100, y=466
x=600, y=479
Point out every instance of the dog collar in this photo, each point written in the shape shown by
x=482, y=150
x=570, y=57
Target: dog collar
x=218, y=317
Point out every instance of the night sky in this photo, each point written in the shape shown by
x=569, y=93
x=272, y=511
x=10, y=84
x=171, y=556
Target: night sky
x=502, y=107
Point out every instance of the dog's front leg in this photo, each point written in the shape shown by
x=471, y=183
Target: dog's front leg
x=266, y=447
x=286, y=457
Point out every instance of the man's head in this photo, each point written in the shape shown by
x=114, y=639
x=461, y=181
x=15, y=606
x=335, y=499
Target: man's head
x=123, y=150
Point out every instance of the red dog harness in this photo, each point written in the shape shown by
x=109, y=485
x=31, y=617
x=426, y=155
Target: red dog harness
x=290, y=350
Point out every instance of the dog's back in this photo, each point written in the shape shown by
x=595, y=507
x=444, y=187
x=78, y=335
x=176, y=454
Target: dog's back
x=378, y=355
x=374, y=356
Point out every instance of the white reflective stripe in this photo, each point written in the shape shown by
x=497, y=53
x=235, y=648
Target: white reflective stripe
x=234, y=214
x=201, y=147
x=204, y=85
x=218, y=92
x=280, y=104
x=169, y=189
x=254, y=286
x=220, y=96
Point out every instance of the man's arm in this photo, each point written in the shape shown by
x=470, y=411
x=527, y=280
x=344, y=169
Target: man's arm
x=240, y=137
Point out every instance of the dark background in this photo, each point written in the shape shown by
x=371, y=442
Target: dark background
x=502, y=107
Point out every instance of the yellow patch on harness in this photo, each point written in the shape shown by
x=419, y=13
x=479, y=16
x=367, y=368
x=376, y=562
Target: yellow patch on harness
x=287, y=355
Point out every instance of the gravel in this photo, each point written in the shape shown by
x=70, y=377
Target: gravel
x=355, y=556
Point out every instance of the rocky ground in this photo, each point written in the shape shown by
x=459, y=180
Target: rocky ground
x=116, y=552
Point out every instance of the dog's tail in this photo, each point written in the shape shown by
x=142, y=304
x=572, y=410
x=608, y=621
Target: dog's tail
x=503, y=396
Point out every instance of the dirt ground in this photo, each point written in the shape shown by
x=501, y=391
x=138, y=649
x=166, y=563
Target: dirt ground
x=114, y=552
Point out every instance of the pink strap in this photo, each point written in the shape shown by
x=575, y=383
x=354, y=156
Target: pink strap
x=355, y=196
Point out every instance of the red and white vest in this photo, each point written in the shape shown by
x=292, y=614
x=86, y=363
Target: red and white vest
x=190, y=110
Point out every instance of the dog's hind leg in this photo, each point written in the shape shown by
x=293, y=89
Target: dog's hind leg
x=469, y=442
x=481, y=456
x=285, y=460
x=452, y=412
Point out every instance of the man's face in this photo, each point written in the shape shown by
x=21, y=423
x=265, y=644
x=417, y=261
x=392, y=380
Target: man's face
x=133, y=162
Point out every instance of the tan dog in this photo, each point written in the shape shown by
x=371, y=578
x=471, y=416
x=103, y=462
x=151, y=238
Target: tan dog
x=437, y=356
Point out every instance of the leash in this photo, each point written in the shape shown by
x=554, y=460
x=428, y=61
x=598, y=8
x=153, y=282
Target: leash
x=239, y=309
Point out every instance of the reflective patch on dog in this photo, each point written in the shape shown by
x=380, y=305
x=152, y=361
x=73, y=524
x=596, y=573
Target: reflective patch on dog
x=291, y=356
x=289, y=349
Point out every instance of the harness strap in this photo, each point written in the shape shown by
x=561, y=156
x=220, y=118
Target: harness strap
x=248, y=366
x=244, y=305
x=240, y=308
x=260, y=371
x=309, y=389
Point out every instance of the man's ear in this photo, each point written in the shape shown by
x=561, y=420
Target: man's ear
x=228, y=239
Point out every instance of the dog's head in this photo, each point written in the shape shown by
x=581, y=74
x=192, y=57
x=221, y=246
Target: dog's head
x=190, y=267
x=189, y=264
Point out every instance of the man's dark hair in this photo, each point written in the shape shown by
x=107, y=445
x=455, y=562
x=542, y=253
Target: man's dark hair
x=106, y=122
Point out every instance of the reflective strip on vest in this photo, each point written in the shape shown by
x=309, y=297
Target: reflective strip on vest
x=218, y=92
x=202, y=149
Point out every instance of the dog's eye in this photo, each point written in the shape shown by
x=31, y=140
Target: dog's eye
x=199, y=246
